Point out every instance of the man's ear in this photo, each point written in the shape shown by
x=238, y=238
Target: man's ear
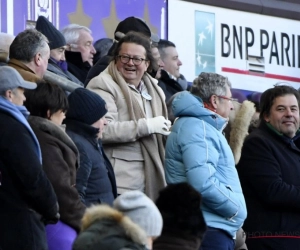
x=8, y=94
x=147, y=64
x=48, y=114
x=266, y=118
x=213, y=101
x=37, y=59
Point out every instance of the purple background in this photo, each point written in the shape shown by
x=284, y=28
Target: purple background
x=96, y=10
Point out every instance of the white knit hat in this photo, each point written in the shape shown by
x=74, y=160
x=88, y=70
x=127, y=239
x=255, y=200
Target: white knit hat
x=141, y=210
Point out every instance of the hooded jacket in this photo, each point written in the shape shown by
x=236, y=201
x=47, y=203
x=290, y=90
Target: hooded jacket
x=106, y=228
x=197, y=152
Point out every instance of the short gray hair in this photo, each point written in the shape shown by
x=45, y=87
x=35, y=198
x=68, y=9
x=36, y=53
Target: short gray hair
x=208, y=84
x=27, y=44
x=71, y=32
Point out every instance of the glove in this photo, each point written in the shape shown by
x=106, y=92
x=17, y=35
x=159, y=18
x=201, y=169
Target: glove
x=158, y=125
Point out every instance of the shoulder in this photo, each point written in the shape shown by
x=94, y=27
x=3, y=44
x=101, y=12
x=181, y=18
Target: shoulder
x=104, y=81
x=258, y=136
x=80, y=141
x=9, y=123
x=189, y=128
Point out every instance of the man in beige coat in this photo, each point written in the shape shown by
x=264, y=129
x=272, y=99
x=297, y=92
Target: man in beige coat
x=134, y=137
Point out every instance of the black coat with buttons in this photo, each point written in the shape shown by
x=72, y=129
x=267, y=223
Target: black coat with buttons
x=95, y=179
x=269, y=171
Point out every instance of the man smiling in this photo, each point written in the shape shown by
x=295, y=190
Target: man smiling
x=269, y=173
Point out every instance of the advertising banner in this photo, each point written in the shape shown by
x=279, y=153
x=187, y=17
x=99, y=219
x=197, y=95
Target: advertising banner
x=254, y=51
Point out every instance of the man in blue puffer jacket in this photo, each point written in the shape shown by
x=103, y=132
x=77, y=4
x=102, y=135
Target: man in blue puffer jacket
x=198, y=153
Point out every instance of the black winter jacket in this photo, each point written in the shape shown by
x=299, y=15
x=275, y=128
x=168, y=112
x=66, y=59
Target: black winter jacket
x=168, y=85
x=26, y=194
x=76, y=66
x=269, y=171
x=95, y=179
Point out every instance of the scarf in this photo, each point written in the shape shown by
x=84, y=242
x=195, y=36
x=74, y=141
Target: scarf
x=153, y=159
x=63, y=65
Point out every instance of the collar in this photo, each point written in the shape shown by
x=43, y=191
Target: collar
x=63, y=65
x=19, y=64
x=282, y=135
x=24, y=111
x=75, y=58
x=171, y=76
x=81, y=128
x=139, y=88
x=294, y=142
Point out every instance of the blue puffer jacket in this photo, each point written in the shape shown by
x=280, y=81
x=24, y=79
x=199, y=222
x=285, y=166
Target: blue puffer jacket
x=198, y=153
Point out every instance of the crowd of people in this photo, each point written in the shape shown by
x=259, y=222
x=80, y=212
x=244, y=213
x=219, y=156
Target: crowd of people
x=131, y=155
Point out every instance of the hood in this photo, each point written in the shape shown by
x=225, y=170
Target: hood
x=56, y=131
x=100, y=214
x=239, y=128
x=186, y=104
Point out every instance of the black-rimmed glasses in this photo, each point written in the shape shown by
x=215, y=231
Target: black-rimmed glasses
x=136, y=61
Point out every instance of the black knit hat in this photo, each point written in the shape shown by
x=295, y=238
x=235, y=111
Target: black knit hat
x=55, y=37
x=132, y=24
x=85, y=106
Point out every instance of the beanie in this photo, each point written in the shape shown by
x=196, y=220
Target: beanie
x=55, y=37
x=141, y=210
x=85, y=106
x=132, y=24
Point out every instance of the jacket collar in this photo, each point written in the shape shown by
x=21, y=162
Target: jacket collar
x=187, y=105
x=49, y=127
x=20, y=65
x=76, y=59
x=81, y=128
x=294, y=142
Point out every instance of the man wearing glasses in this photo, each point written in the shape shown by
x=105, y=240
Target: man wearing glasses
x=137, y=123
x=197, y=152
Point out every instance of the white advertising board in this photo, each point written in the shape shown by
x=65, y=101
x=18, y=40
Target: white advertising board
x=254, y=51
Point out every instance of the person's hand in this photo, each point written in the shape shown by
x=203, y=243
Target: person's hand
x=54, y=219
x=158, y=125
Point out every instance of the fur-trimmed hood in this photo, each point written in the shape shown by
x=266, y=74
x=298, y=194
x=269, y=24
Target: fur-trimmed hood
x=103, y=226
x=56, y=131
x=239, y=128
